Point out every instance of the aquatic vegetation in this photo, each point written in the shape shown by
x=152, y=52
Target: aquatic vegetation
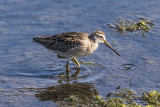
x=125, y=94
x=123, y=25
x=115, y=102
x=152, y=97
x=1, y=90
x=85, y=95
x=76, y=94
x=128, y=98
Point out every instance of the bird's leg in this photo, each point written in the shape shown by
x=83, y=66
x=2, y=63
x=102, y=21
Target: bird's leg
x=76, y=73
x=75, y=61
x=67, y=66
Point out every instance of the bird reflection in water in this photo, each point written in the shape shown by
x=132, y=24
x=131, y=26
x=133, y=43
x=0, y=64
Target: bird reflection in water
x=70, y=77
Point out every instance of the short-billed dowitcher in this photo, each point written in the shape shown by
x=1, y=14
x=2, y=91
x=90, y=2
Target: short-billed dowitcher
x=71, y=45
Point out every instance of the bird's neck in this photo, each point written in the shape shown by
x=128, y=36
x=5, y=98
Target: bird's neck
x=93, y=38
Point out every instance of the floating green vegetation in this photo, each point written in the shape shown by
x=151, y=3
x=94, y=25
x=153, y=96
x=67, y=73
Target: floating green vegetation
x=123, y=98
x=142, y=24
x=1, y=90
x=85, y=95
x=126, y=94
x=152, y=97
x=112, y=102
x=128, y=98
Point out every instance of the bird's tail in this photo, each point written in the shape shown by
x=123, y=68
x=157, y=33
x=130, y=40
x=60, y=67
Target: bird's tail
x=44, y=40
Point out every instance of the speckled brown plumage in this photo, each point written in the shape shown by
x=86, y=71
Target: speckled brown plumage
x=63, y=41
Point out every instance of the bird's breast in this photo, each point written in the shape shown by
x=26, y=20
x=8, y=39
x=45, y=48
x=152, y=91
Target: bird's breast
x=92, y=48
x=88, y=48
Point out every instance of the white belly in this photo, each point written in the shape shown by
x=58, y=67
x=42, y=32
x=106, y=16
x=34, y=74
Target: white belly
x=81, y=51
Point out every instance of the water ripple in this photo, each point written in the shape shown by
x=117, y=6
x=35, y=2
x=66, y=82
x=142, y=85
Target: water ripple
x=127, y=67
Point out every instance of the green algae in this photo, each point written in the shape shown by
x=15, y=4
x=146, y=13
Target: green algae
x=115, y=102
x=152, y=97
x=126, y=94
x=1, y=90
x=85, y=95
x=128, y=98
x=141, y=24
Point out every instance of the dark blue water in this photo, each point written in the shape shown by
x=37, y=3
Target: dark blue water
x=21, y=20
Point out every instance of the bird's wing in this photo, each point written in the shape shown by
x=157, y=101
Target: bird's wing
x=61, y=42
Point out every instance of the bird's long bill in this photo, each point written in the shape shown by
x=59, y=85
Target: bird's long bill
x=105, y=42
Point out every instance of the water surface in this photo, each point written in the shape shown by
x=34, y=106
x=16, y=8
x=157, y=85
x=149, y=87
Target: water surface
x=27, y=64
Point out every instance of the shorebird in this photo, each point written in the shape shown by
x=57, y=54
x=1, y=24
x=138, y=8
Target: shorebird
x=71, y=45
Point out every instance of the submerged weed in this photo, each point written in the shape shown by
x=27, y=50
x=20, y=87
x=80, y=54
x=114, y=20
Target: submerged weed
x=123, y=26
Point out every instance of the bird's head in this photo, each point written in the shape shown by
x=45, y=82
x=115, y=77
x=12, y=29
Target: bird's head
x=99, y=37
